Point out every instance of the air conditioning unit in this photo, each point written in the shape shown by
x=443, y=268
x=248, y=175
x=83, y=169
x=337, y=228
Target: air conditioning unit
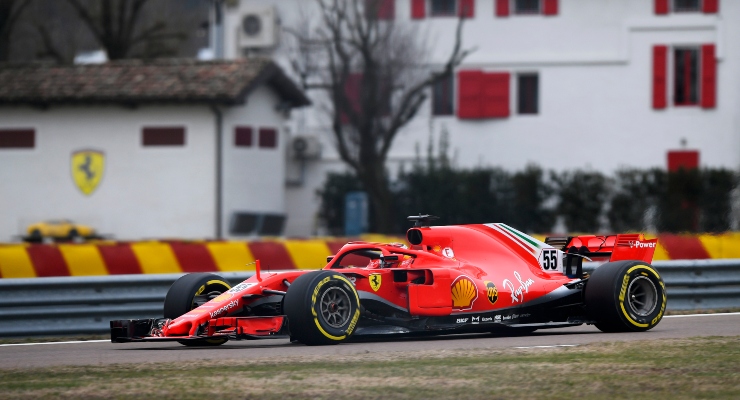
x=305, y=147
x=257, y=28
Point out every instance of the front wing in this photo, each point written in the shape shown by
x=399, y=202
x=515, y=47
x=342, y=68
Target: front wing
x=230, y=328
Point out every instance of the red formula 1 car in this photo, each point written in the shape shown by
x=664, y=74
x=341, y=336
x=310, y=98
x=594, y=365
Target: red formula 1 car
x=453, y=279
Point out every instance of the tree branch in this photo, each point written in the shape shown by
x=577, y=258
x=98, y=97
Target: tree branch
x=15, y=12
x=88, y=20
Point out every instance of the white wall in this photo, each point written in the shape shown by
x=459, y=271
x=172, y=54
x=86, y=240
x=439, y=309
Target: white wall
x=254, y=177
x=145, y=191
x=594, y=61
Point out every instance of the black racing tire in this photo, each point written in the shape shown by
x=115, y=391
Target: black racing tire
x=625, y=296
x=188, y=292
x=323, y=308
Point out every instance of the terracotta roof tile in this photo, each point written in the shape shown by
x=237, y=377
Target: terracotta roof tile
x=137, y=81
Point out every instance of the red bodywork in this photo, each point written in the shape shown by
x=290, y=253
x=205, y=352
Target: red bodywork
x=461, y=271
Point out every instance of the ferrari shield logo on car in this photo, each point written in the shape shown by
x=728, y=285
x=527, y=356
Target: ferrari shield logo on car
x=87, y=169
x=375, y=280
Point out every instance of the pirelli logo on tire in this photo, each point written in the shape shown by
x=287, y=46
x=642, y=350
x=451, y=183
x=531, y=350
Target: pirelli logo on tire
x=642, y=296
x=331, y=309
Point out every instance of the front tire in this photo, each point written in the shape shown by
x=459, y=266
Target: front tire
x=625, y=296
x=323, y=308
x=189, y=292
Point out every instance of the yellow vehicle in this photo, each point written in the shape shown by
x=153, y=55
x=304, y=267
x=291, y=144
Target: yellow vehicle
x=59, y=229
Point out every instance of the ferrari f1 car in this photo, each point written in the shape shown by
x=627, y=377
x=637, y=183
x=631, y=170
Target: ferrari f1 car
x=451, y=279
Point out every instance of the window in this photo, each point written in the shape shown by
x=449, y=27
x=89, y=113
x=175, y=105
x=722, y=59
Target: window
x=528, y=92
x=243, y=136
x=17, y=138
x=268, y=138
x=242, y=223
x=686, y=77
x=443, y=7
x=380, y=9
x=662, y=7
x=163, y=136
x=442, y=97
x=694, y=76
x=527, y=6
x=686, y=5
x=247, y=223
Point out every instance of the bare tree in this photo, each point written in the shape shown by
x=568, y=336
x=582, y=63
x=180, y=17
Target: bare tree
x=386, y=63
x=116, y=26
x=10, y=11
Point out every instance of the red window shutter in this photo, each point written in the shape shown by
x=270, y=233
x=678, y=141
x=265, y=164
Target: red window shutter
x=352, y=91
x=243, y=136
x=381, y=9
x=387, y=9
x=661, y=7
x=418, y=9
x=708, y=77
x=502, y=8
x=163, y=136
x=550, y=7
x=495, y=97
x=710, y=6
x=268, y=138
x=17, y=138
x=660, y=54
x=467, y=8
x=469, y=94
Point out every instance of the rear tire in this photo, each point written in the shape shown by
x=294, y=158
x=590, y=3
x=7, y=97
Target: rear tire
x=189, y=292
x=323, y=308
x=625, y=296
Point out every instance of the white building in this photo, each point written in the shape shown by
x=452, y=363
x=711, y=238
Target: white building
x=155, y=149
x=565, y=84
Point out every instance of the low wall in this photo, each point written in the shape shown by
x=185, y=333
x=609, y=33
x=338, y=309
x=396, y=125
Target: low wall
x=176, y=256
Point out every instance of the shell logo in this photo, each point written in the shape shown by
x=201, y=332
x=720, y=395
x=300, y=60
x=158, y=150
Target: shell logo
x=464, y=293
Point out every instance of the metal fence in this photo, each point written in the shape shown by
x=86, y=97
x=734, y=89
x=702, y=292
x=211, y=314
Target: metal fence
x=85, y=305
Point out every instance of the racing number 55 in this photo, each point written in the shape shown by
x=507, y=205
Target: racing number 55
x=549, y=259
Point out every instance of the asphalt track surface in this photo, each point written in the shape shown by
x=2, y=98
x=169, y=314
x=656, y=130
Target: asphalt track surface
x=32, y=355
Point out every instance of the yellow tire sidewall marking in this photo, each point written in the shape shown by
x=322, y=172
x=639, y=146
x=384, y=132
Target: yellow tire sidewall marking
x=355, y=317
x=623, y=290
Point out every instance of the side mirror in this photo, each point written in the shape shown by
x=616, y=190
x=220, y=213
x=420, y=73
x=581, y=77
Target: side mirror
x=329, y=258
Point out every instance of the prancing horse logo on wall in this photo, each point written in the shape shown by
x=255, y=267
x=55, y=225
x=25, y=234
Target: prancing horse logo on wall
x=87, y=169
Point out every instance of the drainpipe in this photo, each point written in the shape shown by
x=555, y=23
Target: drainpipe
x=218, y=29
x=219, y=168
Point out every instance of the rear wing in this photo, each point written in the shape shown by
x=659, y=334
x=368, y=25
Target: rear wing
x=632, y=246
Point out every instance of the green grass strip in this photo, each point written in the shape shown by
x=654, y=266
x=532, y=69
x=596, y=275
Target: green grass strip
x=697, y=368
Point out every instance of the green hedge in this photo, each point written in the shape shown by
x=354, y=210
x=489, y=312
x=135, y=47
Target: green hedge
x=533, y=199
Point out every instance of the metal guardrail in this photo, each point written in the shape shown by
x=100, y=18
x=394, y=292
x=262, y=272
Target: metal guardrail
x=85, y=305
